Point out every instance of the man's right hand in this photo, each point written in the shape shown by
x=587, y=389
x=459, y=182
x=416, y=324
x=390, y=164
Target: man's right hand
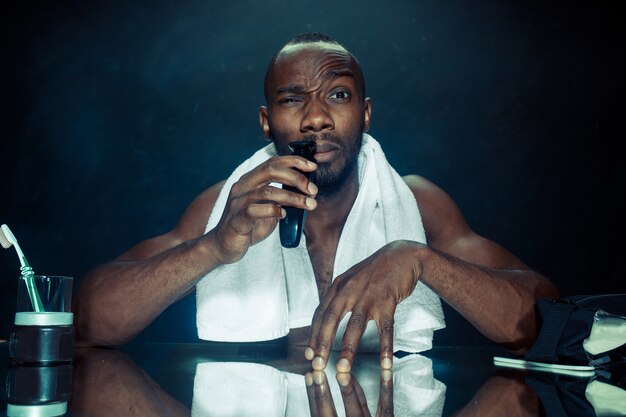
x=254, y=207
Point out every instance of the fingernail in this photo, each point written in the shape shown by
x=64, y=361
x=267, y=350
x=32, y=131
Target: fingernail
x=386, y=375
x=283, y=213
x=318, y=378
x=309, y=353
x=343, y=365
x=311, y=163
x=313, y=189
x=386, y=363
x=343, y=379
x=308, y=379
x=318, y=363
x=310, y=203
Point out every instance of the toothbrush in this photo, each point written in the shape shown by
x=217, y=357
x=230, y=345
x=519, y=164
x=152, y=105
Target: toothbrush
x=7, y=239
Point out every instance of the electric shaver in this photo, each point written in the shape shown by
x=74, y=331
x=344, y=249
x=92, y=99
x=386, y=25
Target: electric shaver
x=292, y=225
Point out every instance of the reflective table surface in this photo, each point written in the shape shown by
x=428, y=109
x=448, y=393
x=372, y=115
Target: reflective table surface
x=274, y=379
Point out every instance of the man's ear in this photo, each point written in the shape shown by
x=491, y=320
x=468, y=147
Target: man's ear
x=265, y=123
x=367, y=113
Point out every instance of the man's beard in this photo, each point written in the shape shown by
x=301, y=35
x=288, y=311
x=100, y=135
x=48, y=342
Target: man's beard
x=330, y=182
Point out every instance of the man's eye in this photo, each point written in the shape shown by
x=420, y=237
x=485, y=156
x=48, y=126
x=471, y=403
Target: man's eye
x=340, y=95
x=288, y=100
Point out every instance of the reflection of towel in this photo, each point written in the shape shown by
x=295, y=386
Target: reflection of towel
x=272, y=289
x=238, y=389
x=246, y=389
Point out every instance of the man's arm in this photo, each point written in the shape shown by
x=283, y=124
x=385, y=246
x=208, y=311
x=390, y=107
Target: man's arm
x=119, y=299
x=483, y=281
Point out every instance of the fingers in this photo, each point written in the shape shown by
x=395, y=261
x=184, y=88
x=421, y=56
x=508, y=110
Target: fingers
x=354, y=400
x=355, y=404
x=244, y=223
x=252, y=198
x=385, y=396
x=269, y=193
x=328, y=314
x=355, y=329
x=266, y=203
x=283, y=170
x=254, y=206
x=351, y=340
x=318, y=392
x=323, y=330
x=385, y=332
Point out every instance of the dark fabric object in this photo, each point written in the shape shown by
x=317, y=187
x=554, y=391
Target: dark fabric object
x=560, y=395
x=566, y=323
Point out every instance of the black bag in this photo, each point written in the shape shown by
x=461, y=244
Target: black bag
x=567, y=322
x=566, y=395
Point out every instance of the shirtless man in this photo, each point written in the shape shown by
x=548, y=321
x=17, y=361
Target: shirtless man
x=315, y=89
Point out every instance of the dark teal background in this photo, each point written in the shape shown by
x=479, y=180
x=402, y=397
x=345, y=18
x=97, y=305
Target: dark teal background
x=116, y=114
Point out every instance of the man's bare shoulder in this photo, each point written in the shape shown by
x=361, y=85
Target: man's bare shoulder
x=426, y=192
x=441, y=216
x=194, y=220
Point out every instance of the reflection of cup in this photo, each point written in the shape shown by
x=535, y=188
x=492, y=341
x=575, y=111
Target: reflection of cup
x=43, y=331
x=38, y=390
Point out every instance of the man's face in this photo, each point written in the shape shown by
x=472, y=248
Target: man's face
x=313, y=93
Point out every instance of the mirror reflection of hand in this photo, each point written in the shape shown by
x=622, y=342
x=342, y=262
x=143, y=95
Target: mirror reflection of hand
x=355, y=403
x=318, y=392
x=385, y=396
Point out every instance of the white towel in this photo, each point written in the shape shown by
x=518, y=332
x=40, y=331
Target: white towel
x=272, y=289
x=250, y=389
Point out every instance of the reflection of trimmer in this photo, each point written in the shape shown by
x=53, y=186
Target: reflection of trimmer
x=7, y=239
x=292, y=225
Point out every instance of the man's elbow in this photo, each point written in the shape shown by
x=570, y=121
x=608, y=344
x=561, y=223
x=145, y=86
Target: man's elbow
x=545, y=289
x=519, y=343
x=93, y=329
x=521, y=336
x=92, y=336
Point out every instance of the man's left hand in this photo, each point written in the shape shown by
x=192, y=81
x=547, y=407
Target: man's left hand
x=370, y=290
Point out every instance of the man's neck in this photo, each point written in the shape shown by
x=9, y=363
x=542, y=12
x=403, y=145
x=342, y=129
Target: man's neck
x=332, y=211
x=323, y=230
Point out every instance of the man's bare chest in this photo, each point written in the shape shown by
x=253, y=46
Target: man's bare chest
x=322, y=257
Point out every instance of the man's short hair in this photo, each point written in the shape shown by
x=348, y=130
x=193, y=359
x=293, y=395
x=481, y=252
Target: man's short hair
x=311, y=37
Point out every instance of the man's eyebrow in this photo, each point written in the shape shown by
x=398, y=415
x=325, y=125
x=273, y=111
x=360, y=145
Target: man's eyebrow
x=291, y=89
x=299, y=88
x=346, y=72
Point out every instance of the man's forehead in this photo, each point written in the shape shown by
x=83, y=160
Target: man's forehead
x=315, y=56
x=306, y=65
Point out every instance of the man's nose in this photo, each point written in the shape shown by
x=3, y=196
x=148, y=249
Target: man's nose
x=316, y=118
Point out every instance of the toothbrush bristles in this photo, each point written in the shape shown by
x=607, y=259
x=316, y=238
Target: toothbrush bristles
x=4, y=241
x=7, y=239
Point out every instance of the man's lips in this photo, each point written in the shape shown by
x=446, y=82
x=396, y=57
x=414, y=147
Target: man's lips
x=325, y=152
